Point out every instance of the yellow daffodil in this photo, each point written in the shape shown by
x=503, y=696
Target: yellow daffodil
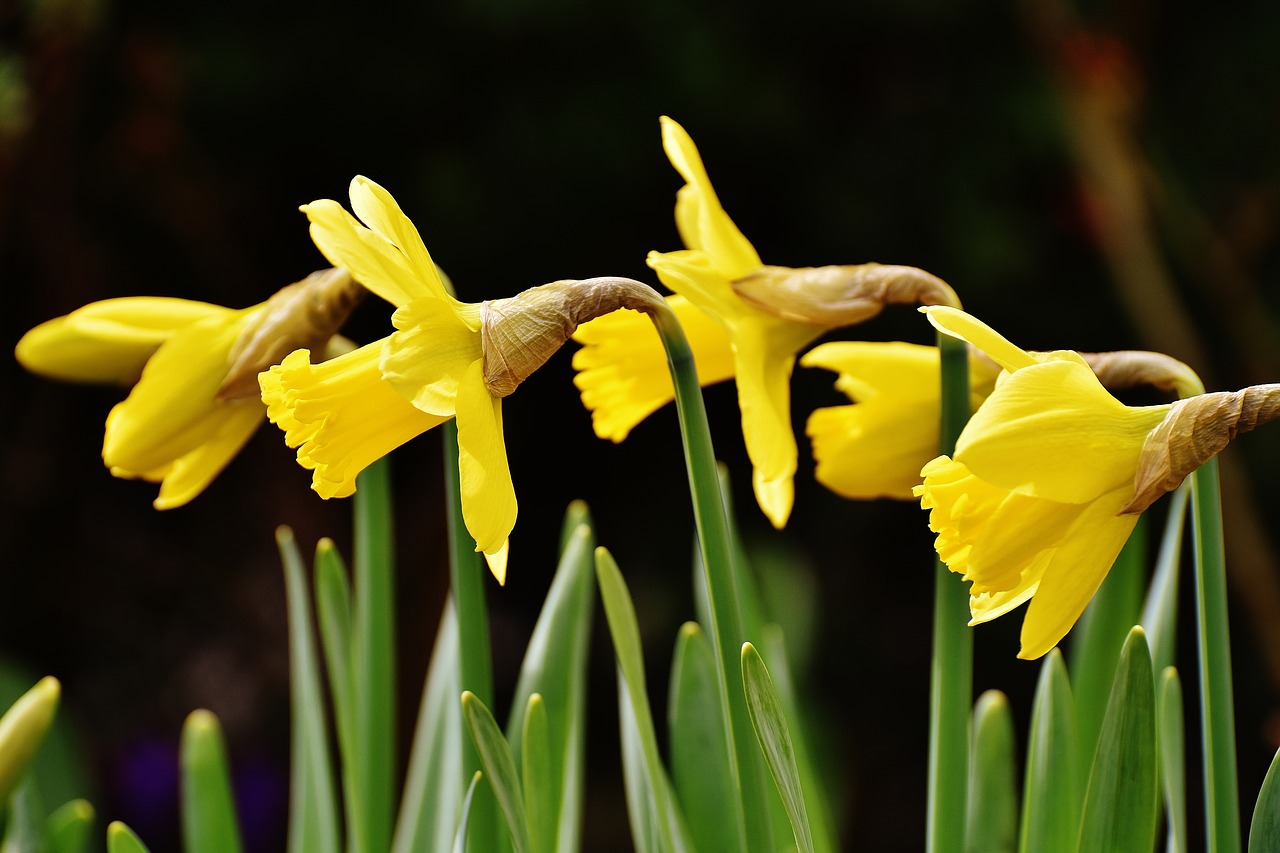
x=744, y=321
x=171, y=429
x=1029, y=505
x=189, y=411
x=344, y=414
x=875, y=448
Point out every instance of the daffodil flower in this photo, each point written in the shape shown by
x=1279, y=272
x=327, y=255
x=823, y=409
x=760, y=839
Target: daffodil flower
x=744, y=320
x=189, y=412
x=343, y=414
x=1030, y=505
x=875, y=448
x=171, y=428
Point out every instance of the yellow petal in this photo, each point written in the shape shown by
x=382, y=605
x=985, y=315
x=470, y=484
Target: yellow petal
x=874, y=449
x=497, y=561
x=866, y=368
x=987, y=606
x=108, y=341
x=622, y=368
x=191, y=473
x=764, y=353
x=172, y=411
x=958, y=324
x=488, y=497
x=432, y=349
x=702, y=221
x=691, y=274
x=1075, y=571
x=340, y=414
x=379, y=210
x=374, y=261
x=1051, y=430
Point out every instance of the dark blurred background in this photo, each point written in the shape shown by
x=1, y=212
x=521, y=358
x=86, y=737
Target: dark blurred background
x=1101, y=176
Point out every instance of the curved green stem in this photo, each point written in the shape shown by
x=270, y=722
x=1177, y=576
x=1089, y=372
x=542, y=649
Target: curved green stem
x=951, y=671
x=717, y=561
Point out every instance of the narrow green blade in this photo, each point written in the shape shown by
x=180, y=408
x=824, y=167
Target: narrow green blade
x=555, y=667
x=1121, y=804
x=1100, y=634
x=991, y=825
x=1160, y=613
x=500, y=766
x=122, y=839
x=209, y=823
x=649, y=801
x=67, y=829
x=770, y=724
x=431, y=805
x=333, y=617
x=313, y=807
x=1264, y=830
x=1052, y=791
x=1173, y=758
x=460, y=838
x=373, y=661
x=22, y=728
x=536, y=779
x=700, y=763
x=24, y=826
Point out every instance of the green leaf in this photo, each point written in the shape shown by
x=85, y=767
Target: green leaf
x=22, y=729
x=460, y=837
x=1264, y=829
x=373, y=661
x=649, y=803
x=209, y=823
x=313, y=808
x=67, y=829
x=122, y=839
x=536, y=777
x=555, y=667
x=1121, y=803
x=992, y=821
x=1052, y=790
x=1160, y=614
x=500, y=766
x=1099, y=635
x=24, y=830
x=700, y=759
x=1173, y=758
x=770, y=724
x=431, y=805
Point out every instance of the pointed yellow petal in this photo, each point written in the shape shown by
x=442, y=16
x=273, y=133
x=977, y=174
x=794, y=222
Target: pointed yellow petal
x=372, y=260
x=703, y=223
x=1041, y=422
x=378, y=209
x=172, y=411
x=874, y=449
x=497, y=561
x=622, y=366
x=691, y=274
x=340, y=414
x=989, y=605
x=191, y=473
x=488, y=497
x=958, y=324
x=866, y=368
x=108, y=341
x=764, y=353
x=426, y=358
x=1075, y=571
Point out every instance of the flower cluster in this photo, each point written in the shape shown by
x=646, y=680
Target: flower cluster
x=1041, y=492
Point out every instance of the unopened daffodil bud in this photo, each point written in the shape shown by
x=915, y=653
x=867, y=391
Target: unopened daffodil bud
x=1193, y=432
x=302, y=315
x=519, y=334
x=22, y=728
x=837, y=296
